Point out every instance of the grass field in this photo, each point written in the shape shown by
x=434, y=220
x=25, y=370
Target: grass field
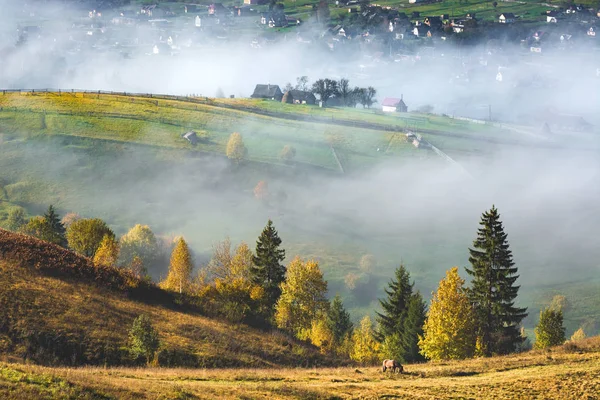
x=161, y=123
x=571, y=373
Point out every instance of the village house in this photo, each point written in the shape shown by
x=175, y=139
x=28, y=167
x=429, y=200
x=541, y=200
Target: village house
x=591, y=32
x=268, y=91
x=392, y=104
x=255, y=2
x=217, y=9
x=299, y=97
x=190, y=8
x=191, y=137
x=552, y=16
x=506, y=18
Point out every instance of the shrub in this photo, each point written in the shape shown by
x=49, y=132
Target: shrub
x=550, y=330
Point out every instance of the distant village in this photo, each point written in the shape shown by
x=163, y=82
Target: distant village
x=376, y=36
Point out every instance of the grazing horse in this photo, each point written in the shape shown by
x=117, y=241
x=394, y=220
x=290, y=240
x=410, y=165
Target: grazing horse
x=393, y=364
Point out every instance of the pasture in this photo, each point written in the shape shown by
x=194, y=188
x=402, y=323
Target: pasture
x=569, y=372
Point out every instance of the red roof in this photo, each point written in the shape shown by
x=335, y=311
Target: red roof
x=391, y=102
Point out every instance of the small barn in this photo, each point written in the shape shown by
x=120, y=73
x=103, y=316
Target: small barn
x=299, y=97
x=191, y=137
x=392, y=104
x=268, y=91
x=506, y=18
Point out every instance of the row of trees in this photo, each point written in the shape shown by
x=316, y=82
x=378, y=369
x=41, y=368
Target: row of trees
x=237, y=151
x=341, y=90
x=256, y=287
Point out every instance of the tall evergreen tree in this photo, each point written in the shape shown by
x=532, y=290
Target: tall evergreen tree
x=493, y=288
x=57, y=227
x=395, y=306
x=413, y=328
x=338, y=320
x=267, y=270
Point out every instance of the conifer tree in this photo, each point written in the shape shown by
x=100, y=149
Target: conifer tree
x=449, y=330
x=267, y=270
x=55, y=224
x=413, y=328
x=180, y=268
x=550, y=330
x=143, y=338
x=493, y=290
x=108, y=252
x=395, y=306
x=339, y=321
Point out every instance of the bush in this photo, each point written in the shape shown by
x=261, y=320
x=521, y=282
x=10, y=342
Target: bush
x=550, y=330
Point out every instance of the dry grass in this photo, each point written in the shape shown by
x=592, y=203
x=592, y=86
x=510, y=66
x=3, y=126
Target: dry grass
x=559, y=374
x=55, y=308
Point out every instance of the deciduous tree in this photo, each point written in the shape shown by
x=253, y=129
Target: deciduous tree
x=365, y=349
x=139, y=241
x=367, y=96
x=261, y=190
x=302, y=297
x=180, y=269
x=324, y=88
x=287, y=153
x=236, y=150
x=550, y=330
x=16, y=218
x=449, y=330
x=579, y=334
x=85, y=235
x=40, y=228
x=107, y=253
x=493, y=290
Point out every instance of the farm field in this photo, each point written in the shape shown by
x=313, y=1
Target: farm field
x=562, y=373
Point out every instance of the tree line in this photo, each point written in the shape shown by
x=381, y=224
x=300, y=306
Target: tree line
x=340, y=90
x=255, y=286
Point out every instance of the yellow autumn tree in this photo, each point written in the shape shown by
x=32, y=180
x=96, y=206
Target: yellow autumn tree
x=180, y=269
x=364, y=348
x=108, y=252
x=139, y=241
x=449, y=331
x=302, y=297
x=320, y=334
x=236, y=150
x=578, y=335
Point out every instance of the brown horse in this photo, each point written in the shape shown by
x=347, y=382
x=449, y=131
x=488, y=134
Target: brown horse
x=393, y=364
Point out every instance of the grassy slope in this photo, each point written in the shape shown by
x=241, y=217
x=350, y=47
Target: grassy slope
x=54, y=308
x=161, y=122
x=561, y=374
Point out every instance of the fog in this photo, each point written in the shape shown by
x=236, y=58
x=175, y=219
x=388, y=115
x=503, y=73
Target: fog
x=424, y=213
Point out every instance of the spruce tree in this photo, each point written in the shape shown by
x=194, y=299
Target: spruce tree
x=395, y=306
x=339, y=321
x=413, y=328
x=267, y=271
x=57, y=227
x=493, y=288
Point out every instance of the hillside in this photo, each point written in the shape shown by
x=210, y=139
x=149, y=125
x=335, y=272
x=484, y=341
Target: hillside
x=58, y=308
x=567, y=372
